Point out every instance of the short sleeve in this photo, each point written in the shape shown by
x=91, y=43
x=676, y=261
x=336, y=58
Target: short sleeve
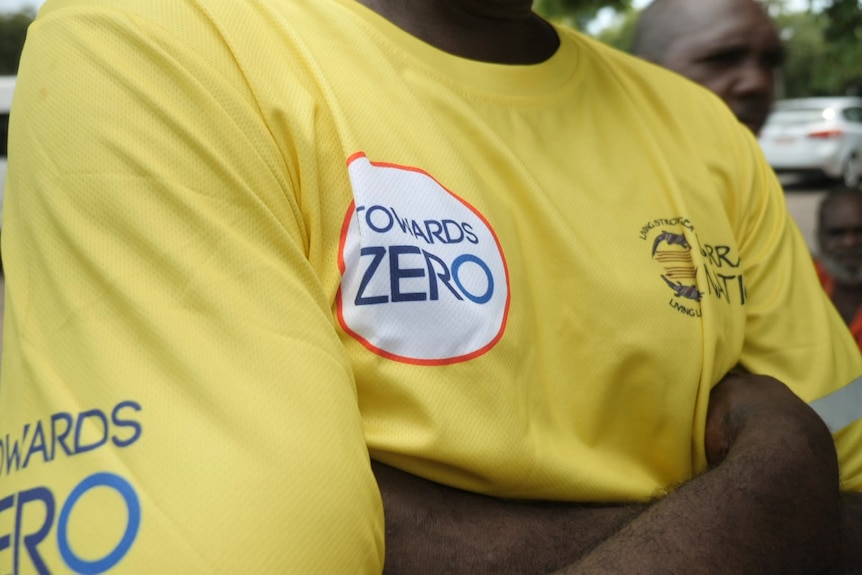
x=793, y=331
x=174, y=395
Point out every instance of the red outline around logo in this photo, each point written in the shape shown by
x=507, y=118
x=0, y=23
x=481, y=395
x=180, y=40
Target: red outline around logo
x=341, y=267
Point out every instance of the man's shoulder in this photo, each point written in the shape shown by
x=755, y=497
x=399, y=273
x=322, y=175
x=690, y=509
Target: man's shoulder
x=637, y=73
x=665, y=96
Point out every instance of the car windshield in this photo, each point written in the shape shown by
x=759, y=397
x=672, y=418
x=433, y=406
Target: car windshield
x=799, y=116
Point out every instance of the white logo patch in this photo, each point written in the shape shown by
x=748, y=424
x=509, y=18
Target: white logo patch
x=424, y=280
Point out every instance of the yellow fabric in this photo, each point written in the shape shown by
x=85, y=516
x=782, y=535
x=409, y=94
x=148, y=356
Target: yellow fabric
x=233, y=227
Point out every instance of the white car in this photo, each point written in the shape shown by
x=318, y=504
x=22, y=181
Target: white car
x=821, y=136
x=7, y=86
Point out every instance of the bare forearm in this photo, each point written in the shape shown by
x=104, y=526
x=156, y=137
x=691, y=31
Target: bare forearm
x=722, y=523
x=771, y=506
x=851, y=540
x=435, y=529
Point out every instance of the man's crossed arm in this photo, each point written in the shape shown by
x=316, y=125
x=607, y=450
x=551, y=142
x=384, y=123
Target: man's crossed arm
x=770, y=503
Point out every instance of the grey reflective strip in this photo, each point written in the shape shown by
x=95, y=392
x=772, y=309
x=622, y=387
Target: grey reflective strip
x=841, y=408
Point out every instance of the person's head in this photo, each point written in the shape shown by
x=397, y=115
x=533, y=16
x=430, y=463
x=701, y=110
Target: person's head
x=729, y=46
x=839, y=235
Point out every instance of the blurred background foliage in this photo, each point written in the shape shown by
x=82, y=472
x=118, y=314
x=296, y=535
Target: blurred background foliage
x=824, y=40
x=577, y=13
x=13, y=29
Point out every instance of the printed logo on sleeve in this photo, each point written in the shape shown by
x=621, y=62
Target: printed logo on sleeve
x=44, y=517
x=424, y=279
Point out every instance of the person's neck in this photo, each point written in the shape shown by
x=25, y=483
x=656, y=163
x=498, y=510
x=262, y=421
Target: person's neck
x=499, y=31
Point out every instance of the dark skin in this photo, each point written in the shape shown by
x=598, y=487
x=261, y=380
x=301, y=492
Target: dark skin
x=499, y=31
x=839, y=237
x=730, y=47
x=770, y=502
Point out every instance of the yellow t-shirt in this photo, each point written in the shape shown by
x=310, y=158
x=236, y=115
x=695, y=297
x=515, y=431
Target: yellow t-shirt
x=249, y=242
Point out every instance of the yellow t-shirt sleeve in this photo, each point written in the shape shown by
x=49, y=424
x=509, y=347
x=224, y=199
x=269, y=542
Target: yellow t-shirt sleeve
x=793, y=331
x=173, y=387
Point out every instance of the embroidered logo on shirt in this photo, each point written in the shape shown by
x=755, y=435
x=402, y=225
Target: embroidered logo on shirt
x=672, y=249
x=673, y=241
x=424, y=278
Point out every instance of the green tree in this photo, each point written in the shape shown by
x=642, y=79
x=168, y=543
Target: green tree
x=824, y=49
x=13, y=30
x=577, y=12
x=621, y=35
x=843, y=37
x=801, y=75
x=779, y=7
